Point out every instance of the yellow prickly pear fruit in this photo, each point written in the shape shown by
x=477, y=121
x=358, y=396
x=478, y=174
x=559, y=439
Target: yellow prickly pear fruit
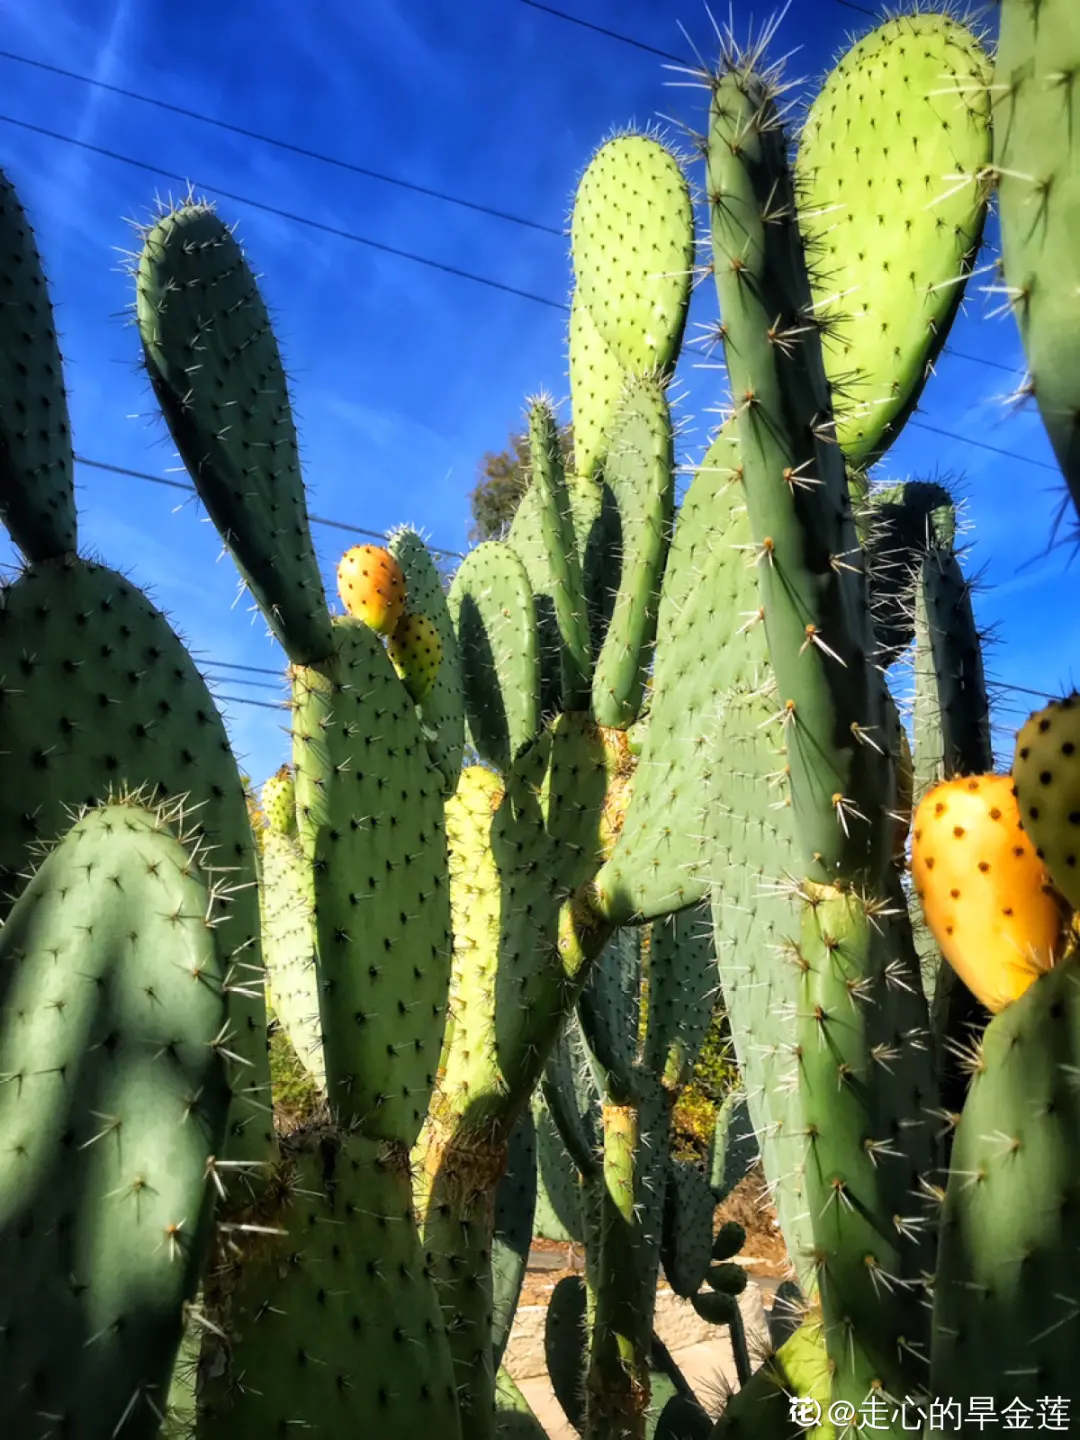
x=371, y=584
x=985, y=894
x=1046, y=771
x=416, y=653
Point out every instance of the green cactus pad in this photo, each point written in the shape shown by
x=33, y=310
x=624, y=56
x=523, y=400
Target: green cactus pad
x=515, y=1207
x=1008, y=1272
x=686, y=1245
x=526, y=538
x=609, y=1009
x=1037, y=162
x=566, y=1347
x=762, y=1408
x=558, y=1182
x=333, y=1326
x=632, y=235
x=813, y=595
x=213, y=361
x=681, y=970
x=443, y=709
x=493, y=612
x=870, y=1106
x=370, y=814
x=286, y=896
x=639, y=471
x=893, y=213
x=660, y=862
x=99, y=697
x=564, y=561
x=516, y=855
x=112, y=1025
x=37, y=490
x=897, y=524
x=596, y=386
x=733, y=1148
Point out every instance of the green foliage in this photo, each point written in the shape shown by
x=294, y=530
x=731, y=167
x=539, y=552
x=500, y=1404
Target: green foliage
x=503, y=478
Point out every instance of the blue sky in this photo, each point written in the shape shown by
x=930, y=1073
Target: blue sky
x=402, y=376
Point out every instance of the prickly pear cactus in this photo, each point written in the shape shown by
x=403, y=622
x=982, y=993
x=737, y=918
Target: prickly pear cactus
x=882, y=201
x=1037, y=167
x=113, y=1025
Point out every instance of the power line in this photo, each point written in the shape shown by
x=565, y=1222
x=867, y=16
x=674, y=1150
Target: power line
x=279, y=214
x=982, y=445
x=190, y=489
x=279, y=144
x=611, y=34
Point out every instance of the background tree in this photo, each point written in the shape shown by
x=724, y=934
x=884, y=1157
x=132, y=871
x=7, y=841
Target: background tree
x=502, y=479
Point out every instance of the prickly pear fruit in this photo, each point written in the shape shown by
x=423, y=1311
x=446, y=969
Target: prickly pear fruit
x=1046, y=770
x=279, y=801
x=985, y=893
x=371, y=584
x=415, y=651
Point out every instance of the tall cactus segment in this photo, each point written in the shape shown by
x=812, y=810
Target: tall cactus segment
x=37, y=492
x=442, y=712
x=892, y=213
x=216, y=372
x=816, y=616
x=520, y=845
x=97, y=695
x=370, y=824
x=494, y=614
x=1037, y=166
x=596, y=384
x=639, y=472
x=632, y=235
x=330, y=1321
x=834, y=714
x=113, y=1044
x=1007, y=1282
x=560, y=547
x=287, y=906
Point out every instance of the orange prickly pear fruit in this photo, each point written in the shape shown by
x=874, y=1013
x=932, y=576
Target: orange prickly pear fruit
x=371, y=584
x=986, y=895
x=1046, y=769
x=415, y=651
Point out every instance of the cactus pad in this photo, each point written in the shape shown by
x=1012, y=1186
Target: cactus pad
x=215, y=368
x=99, y=696
x=321, y=1325
x=443, y=708
x=37, y=492
x=893, y=213
x=492, y=608
x=112, y=1017
x=371, y=822
x=633, y=247
x=1037, y=163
